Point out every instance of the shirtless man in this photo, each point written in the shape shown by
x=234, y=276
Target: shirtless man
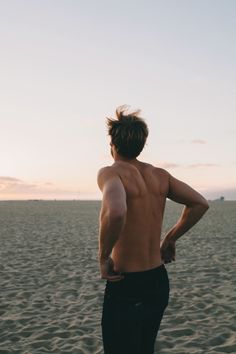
x=131, y=253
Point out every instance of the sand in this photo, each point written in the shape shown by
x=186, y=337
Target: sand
x=51, y=294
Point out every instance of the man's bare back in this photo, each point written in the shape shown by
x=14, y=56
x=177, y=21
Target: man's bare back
x=136, y=192
x=146, y=186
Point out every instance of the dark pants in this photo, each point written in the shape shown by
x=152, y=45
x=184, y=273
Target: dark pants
x=133, y=310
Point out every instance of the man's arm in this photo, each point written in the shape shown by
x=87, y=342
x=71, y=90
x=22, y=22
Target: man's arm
x=195, y=207
x=113, y=211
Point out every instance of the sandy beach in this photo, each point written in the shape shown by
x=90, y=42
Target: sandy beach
x=51, y=293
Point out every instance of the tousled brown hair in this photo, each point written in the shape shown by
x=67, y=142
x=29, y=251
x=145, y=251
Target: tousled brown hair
x=128, y=132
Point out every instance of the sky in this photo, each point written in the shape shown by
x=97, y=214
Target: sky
x=66, y=65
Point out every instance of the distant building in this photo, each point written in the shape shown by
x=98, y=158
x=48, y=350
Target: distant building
x=221, y=199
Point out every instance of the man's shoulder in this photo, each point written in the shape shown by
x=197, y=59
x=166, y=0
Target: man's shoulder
x=105, y=173
x=105, y=170
x=157, y=170
x=161, y=171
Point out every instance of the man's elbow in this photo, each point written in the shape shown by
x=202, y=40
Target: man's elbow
x=201, y=204
x=204, y=205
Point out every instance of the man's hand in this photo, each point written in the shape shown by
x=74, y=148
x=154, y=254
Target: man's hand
x=168, y=250
x=107, y=270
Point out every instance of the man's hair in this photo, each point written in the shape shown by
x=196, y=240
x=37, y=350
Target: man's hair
x=128, y=132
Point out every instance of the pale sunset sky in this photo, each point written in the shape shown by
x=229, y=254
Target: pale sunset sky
x=66, y=66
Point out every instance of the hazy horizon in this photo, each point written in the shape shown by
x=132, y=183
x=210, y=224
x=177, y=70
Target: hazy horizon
x=96, y=200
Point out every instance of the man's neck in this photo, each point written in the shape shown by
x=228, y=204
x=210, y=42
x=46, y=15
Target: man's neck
x=123, y=159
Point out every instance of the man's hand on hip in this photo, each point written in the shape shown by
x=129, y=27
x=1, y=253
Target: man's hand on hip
x=168, y=250
x=107, y=270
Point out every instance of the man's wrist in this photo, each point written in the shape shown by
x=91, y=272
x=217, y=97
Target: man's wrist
x=103, y=258
x=171, y=238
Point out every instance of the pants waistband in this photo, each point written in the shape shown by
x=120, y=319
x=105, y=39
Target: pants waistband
x=144, y=273
x=140, y=283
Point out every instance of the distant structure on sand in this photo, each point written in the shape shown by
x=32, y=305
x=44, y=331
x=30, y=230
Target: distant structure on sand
x=221, y=199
